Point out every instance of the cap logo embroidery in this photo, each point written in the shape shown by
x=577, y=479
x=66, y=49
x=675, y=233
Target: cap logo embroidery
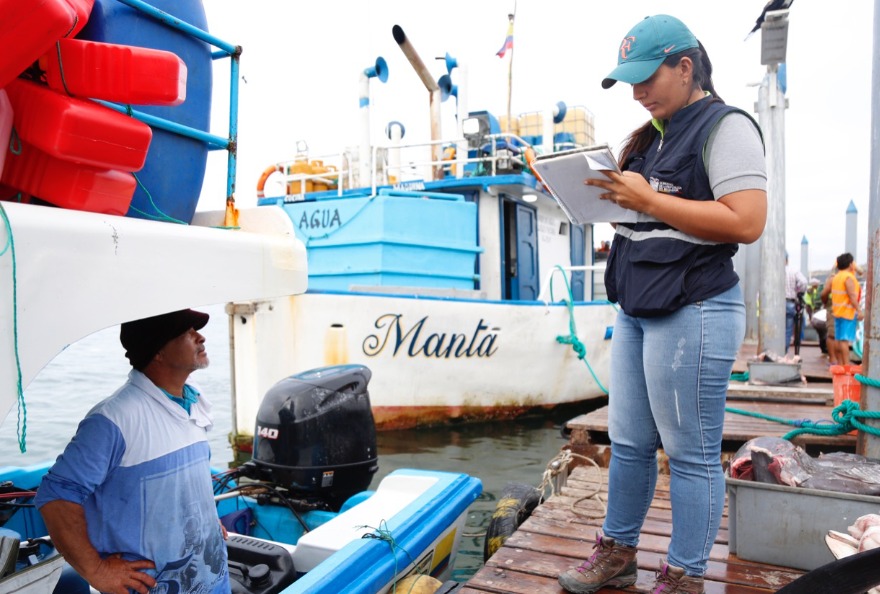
x=668, y=49
x=626, y=46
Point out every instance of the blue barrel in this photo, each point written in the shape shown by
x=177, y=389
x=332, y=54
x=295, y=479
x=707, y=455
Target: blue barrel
x=175, y=166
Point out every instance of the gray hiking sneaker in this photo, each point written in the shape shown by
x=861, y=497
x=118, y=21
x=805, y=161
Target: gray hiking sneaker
x=610, y=565
x=672, y=580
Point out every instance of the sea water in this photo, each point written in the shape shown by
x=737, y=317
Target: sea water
x=90, y=370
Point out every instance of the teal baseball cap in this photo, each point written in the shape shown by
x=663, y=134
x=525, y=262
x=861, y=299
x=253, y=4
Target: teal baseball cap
x=645, y=47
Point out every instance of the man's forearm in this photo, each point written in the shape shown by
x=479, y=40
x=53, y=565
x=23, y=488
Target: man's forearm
x=66, y=523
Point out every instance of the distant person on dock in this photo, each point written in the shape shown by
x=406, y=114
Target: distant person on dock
x=813, y=305
x=696, y=173
x=846, y=294
x=129, y=504
x=795, y=287
x=825, y=296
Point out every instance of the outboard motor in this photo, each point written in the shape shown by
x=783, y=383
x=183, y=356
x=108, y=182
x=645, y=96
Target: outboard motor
x=315, y=435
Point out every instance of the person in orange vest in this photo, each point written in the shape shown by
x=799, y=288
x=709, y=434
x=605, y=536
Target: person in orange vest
x=845, y=304
x=825, y=296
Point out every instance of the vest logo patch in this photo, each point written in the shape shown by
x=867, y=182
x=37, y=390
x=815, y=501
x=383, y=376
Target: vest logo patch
x=664, y=187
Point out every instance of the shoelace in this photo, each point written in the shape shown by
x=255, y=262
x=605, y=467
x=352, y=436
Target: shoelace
x=597, y=548
x=664, y=580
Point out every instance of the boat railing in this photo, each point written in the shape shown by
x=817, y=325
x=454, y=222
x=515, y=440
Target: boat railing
x=212, y=141
x=402, y=164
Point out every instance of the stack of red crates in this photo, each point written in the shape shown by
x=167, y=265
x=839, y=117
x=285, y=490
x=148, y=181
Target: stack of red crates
x=55, y=143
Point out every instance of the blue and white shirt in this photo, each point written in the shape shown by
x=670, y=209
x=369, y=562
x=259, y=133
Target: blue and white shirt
x=140, y=467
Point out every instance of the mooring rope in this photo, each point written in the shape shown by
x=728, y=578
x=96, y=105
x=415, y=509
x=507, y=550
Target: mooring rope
x=21, y=428
x=572, y=338
x=845, y=418
x=560, y=463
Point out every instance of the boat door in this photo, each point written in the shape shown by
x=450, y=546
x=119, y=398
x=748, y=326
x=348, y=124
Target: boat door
x=519, y=251
x=577, y=245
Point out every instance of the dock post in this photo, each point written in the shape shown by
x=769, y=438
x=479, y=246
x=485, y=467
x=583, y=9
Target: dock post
x=869, y=445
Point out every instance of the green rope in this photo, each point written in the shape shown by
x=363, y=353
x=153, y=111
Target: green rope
x=383, y=533
x=572, y=338
x=845, y=418
x=163, y=216
x=867, y=381
x=740, y=377
x=22, y=406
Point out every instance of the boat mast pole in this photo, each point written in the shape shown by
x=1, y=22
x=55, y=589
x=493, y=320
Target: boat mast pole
x=509, y=124
x=868, y=444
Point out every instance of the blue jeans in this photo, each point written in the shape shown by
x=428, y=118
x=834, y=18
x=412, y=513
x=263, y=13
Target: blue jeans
x=669, y=379
x=789, y=323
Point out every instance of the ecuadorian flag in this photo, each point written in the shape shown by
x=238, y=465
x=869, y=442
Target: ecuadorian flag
x=508, y=41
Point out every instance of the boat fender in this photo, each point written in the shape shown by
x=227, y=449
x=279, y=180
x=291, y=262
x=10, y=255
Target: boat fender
x=515, y=505
x=261, y=183
x=418, y=584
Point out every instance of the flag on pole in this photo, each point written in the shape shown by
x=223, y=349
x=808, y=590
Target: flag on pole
x=508, y=41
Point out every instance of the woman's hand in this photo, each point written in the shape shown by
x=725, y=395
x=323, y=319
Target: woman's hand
x=738, y=217
x=629, y=190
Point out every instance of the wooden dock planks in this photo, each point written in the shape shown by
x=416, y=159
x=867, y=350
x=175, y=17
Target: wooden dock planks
x=739, y=428
x=556, y=537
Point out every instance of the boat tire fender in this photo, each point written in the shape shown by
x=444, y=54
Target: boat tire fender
x=515, y=505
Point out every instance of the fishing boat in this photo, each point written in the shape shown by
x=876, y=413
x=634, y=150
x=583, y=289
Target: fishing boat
x=301, y=513
x=445, y=266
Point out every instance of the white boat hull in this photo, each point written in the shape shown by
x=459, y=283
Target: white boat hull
x=433, y=359
x=72, y=273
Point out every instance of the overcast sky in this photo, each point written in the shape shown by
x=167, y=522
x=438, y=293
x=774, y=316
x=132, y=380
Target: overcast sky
x=302, y=60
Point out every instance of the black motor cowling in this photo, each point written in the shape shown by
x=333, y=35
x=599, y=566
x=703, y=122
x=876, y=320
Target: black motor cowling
x=315, y=433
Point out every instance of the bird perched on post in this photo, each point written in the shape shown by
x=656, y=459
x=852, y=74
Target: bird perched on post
x=770, y=6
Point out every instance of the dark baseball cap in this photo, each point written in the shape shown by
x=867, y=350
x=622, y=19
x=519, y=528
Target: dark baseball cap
x=143, y=338
x=646, y=46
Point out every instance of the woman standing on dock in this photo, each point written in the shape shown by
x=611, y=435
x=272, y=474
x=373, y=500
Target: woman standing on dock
x=696, y=173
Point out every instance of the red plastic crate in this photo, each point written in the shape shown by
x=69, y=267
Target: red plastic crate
x=5, y=126
x=66, y=184
x=114, y=72
x=77, y=130
x=29, y=28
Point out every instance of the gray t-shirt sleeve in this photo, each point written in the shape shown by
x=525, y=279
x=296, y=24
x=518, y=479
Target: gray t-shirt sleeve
x=734, y=156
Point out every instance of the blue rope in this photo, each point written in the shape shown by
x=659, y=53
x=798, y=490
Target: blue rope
x=21, y=428
x=572, y=338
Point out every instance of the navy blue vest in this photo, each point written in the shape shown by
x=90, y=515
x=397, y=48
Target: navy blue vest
x=653, y=269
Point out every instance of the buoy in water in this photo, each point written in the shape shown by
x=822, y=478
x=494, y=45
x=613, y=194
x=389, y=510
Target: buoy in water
x=418, y=584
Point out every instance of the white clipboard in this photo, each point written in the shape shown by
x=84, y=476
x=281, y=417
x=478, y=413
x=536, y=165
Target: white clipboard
x=564, y=173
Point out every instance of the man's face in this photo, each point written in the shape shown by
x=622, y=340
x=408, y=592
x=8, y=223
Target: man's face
x=187, y=351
